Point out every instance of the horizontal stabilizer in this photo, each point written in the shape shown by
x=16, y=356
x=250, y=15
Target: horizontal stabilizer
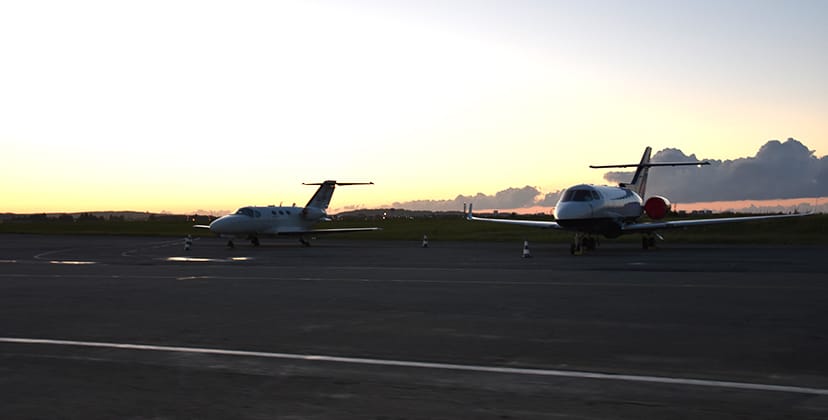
x=337, y=183
x=650, y=165
x=639, y=181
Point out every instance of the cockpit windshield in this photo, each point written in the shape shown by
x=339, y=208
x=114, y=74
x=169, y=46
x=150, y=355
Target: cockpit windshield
x=247, y=211
x=580, y=194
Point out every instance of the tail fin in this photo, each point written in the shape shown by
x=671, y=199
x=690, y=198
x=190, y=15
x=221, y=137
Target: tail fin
x=322, y=198
x=639, y=181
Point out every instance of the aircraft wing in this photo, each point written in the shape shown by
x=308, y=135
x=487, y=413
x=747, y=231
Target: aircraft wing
x=543, y=224
x=326, y=231
x=673, y=224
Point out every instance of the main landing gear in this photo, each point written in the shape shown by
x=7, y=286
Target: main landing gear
x=648, y=240
x=253, y=240
x=583, y=242
x=304, y=241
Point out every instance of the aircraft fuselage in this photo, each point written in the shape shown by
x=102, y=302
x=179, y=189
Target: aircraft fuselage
x=269, y=220
x=598, y=209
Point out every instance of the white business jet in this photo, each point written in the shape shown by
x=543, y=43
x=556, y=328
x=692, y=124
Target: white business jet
x=599, y=210
x=254, y=222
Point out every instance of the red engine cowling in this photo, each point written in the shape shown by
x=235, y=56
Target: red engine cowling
x=657, y=207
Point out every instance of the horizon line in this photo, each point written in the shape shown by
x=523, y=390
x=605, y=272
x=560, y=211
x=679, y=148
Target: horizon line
x=716, y=206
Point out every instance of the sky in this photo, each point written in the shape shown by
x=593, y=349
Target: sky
x=780, y=176
x=185, y=105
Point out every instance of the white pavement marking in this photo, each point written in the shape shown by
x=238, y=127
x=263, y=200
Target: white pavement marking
x=71, y=262
x=430, y=365
x=194, y=278
x=205, y=259
x=44, y=254
x=153, y=245
x=814, y=286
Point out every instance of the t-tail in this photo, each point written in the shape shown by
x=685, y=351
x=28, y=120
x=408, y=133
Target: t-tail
x=642, y=171
x=322, y=198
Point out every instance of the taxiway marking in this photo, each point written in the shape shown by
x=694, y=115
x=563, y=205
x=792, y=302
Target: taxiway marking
x=153, y=245
x=431, y=365
x=551, y=283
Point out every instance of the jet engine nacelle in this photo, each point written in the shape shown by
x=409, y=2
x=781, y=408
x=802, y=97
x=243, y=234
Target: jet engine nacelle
x=657, y=207
x=312, y=213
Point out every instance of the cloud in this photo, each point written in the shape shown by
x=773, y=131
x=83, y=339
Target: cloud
x=779, y=170
x=509, y=198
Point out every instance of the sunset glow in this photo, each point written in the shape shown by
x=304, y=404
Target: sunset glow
x=183, y=106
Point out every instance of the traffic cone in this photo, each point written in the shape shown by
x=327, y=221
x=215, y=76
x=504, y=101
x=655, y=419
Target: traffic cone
x=526, y=253
x=425, y=241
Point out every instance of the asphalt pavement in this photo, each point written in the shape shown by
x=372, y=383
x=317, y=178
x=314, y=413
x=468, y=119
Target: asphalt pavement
x=126, y=327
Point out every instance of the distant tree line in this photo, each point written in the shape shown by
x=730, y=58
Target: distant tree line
x=90, y=217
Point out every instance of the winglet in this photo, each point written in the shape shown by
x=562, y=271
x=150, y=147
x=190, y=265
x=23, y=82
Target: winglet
x=468, y=214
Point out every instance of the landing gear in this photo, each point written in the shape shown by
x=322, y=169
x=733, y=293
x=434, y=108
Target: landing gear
x=254, y=240
x=230, y=244
x=583, y=243
x=304, y=241
x=590, y=243
x=648, y=241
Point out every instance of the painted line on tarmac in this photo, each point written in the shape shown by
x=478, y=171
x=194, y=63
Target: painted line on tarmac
x=205, y=259
x=747, y=386
x=42, y=256
x=153, y=245
x=56, y=251
x=427, y=281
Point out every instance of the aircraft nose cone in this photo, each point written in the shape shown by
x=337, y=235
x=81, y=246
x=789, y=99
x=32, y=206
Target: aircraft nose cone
x=221, y=225
x=573, y=211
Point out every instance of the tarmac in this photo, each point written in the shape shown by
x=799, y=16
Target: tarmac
x=139, y=328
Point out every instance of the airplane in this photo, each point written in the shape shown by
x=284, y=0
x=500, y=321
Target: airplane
x=253, y=222
x=600, y=210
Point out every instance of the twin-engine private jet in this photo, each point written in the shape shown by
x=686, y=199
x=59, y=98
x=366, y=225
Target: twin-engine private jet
x=597, y=210
x=254, y=222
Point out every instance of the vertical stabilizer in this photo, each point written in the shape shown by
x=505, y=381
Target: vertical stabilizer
x=322, y=198
x=639, y=181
